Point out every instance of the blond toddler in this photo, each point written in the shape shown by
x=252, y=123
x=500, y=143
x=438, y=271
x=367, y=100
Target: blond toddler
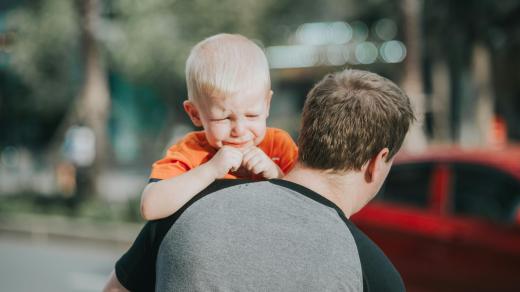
x=229, y=94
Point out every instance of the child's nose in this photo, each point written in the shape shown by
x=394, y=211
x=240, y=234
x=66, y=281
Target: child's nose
x=238, y=128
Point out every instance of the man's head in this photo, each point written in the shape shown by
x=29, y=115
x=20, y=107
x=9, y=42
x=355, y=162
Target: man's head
x=229, y=90
x=350, y=120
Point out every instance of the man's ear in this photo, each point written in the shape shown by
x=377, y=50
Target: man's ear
x=268, y=102
x=377, y=167
x=193, y=112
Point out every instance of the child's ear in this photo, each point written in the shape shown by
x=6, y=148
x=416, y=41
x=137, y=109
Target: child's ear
x=193, y=112
x=268, y=102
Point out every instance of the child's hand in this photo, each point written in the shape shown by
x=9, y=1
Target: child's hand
x=227, y=158
x=257, y=162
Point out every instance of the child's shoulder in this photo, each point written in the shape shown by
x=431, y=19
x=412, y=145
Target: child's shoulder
x=276, y=134
x=280, y=147
x=277, y=140
x=195, y=140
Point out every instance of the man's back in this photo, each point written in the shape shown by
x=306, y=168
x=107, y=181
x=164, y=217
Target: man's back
x=259, y=236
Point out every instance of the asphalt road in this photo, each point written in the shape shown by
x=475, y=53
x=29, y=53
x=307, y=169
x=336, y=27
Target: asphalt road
x=40, y=264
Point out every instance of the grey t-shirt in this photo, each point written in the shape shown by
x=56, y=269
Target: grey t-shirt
x=258, y=236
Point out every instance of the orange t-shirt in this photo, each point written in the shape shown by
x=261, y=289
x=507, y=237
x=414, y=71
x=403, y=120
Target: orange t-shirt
x=194, y=150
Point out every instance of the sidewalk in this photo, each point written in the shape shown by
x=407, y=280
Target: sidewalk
x=43, y=227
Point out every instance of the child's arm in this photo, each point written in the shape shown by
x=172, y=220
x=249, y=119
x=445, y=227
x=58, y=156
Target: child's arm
x=163, y=198
x=256, y=161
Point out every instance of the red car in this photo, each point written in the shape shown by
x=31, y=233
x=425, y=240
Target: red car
x=449, y=219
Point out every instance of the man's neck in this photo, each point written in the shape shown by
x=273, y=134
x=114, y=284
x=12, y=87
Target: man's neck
x=337, y=188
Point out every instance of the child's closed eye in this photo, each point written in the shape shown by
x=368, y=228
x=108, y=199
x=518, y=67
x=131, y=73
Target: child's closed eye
x=220, y=120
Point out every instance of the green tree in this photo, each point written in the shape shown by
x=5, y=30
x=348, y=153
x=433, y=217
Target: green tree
x=62, y=50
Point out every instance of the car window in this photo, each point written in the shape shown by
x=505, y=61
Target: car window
x=485, y=192
x=408, y=184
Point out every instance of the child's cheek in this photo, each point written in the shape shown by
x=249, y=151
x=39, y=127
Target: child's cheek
x=262, y=127
x=220, y=131
x=259, y=131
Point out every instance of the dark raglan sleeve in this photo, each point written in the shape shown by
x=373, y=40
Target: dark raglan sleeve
x=379, y=274
x=135, y=270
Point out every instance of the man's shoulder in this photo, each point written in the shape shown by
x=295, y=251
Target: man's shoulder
x=232, y=198
x=275, y=195
x=220, y=184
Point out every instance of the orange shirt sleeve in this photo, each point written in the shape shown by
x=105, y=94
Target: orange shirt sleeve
x=279, y=145
x=188, y=153
x=172, y=164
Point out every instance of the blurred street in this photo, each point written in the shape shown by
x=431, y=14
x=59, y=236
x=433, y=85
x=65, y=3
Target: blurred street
x=40, y=264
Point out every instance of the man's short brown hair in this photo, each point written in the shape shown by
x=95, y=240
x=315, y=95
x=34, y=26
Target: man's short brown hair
x=349, y=117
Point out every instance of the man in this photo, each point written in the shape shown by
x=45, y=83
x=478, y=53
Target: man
x=292, y=234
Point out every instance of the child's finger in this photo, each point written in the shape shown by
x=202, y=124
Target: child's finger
x=248, y=152
x=252, y=162
x=234, y=151
x=258, y=168
x=255, y=152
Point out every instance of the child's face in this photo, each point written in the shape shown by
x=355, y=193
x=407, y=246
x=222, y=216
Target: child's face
x=238, y=120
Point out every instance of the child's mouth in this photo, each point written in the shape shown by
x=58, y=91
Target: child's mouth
x=236, y=144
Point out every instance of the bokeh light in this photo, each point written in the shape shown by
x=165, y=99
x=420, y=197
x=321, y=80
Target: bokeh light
x=335, y=55
x=313, y=34
x=341, y=32
x=366, y=53
x=360, y=31
x=393, y=51
x=386, y=29
x=292, y=56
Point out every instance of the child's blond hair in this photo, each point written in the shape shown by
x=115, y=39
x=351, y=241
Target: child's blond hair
x=225, y=64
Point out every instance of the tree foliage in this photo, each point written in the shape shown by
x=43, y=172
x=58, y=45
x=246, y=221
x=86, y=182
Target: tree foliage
x=44, y=54
x=149, y=41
